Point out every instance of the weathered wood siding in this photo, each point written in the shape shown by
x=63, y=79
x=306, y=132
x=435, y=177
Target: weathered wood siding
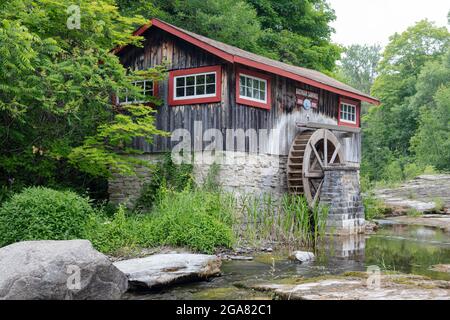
x=162, y=47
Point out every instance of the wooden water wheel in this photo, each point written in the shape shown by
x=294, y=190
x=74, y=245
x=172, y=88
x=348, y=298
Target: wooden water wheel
x=310, y=153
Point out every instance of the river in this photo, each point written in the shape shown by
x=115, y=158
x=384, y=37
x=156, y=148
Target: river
x=394, y=247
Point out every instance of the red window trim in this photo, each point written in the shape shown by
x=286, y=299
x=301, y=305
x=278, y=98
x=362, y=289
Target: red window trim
x=358, y=112
x=249, y=102
x=184, y=72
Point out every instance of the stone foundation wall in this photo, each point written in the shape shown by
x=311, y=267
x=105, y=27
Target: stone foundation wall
x=239, y=173
x=341, y=193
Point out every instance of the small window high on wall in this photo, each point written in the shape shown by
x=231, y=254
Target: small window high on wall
x=349, y=113
x=146, y=87
x=253, y=89
x=195, y=86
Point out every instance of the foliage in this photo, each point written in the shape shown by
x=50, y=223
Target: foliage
x=196, y=219
x=431, y=142
x=288, y=219
x=58, y=125
x=165, y=174
x=388, y=129
x=296, y=32
x=359, y=64
x=43, y=214
x=374, y=208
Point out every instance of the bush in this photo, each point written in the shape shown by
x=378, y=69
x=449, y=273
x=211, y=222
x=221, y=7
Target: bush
x=193, y=218
x=197, y=219
x=111, y=235
x=374, y=208
x=43, y=214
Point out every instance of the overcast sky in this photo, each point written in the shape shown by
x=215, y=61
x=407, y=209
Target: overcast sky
x=373, y=21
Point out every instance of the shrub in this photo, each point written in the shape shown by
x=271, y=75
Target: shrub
x=43, y=214
x=165, y=174
x=194, y=218
x=374, y=208
x=111, y=235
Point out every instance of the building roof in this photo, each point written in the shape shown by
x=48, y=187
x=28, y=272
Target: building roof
x=236, y=55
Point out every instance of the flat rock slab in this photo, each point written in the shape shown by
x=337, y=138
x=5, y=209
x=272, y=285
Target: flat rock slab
x=392, y=287
x=419, y=194
x=162, y=270
x=441, y=268
x=435, y=221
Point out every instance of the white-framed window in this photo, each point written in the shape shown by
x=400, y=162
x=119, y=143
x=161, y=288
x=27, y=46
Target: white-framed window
x=192, y=86
x=146, y=87
x=252, y=88
x=347, y=113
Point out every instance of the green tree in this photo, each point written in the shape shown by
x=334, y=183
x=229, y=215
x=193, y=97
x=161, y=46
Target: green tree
x=359, y=64
x=56, y=85
x=298, y=32
x=231, y=21
x=295, y=32
x=431, y=142
x=388, y=129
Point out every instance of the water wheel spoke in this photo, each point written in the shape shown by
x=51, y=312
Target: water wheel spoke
x=317, y=195
x=317, y=155
x=335, y=153
x=317, y=174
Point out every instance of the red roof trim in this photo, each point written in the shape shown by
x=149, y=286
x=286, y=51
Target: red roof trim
x=159, y=24
x=247, y=62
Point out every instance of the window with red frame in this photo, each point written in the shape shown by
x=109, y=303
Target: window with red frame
x=194, y=86
x=253, y=89
x=349, y=113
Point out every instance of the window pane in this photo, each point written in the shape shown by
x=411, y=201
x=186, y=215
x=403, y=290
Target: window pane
x=255, y=93
x=200, y=90
x=190, y=81
x=201, y=79
x=180, y=82
x=248, y=92
x=211, y=78
x=263, y=86
x=255, y=84
x=249, y=82
x=190, y=91
x=210, y=89
x=242, y=90
x=180, y=92
x=262, y=95
x=242, y=82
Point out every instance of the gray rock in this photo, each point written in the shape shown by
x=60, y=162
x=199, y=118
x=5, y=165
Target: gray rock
x=303, y=256
x=441, y=268
x=392, y=287
x=161, y=270
x=35, y=270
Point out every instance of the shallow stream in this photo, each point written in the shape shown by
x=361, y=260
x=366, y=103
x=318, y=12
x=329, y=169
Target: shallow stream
x=395, y=247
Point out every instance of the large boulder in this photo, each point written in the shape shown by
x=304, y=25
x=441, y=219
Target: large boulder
x=58, y=270
x=162, y=270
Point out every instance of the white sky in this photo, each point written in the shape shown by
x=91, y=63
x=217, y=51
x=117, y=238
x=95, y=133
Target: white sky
x=374, y=21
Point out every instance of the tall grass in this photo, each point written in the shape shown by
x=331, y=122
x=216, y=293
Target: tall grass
x=286, y=220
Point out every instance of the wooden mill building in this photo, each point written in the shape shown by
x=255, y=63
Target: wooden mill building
x=311, y=120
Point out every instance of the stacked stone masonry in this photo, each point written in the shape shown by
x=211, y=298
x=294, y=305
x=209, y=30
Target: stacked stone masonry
x=341, y=194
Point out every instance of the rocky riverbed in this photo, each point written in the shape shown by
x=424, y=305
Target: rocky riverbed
x=424, y=194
